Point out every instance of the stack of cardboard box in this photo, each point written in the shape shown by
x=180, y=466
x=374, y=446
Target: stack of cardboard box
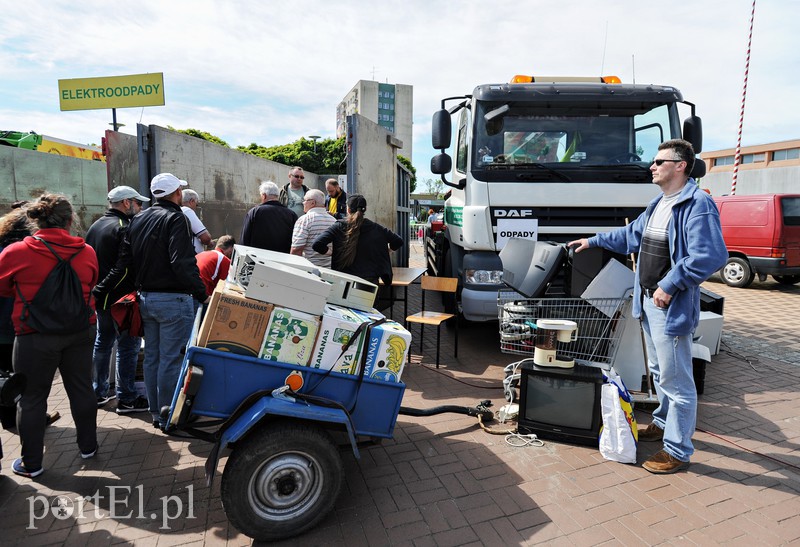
x=279, y=309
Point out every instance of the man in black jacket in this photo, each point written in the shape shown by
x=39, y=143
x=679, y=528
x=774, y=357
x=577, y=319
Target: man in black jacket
x=105, y=236
x=158, y=248
x=269, y=225
x=336, y=200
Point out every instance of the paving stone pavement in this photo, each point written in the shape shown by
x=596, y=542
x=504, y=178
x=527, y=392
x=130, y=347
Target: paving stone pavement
x=441, y=480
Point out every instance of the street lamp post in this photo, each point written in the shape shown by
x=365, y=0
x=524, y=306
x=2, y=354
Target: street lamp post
x=314, y=138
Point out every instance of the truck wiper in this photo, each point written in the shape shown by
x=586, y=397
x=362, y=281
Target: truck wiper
x=529, y=176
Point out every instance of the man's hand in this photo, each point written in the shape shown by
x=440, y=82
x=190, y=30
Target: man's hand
x=660, y=298
x=579, y=244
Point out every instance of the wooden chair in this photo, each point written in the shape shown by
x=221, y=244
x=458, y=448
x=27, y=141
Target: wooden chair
x=425, y=317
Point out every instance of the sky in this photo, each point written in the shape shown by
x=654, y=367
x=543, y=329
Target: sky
x=270, y=72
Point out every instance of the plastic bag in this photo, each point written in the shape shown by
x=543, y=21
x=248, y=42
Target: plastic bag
x=619, y=433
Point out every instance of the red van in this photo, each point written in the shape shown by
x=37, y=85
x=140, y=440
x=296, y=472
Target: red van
x=762, y=234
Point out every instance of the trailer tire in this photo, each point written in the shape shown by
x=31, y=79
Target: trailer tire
x=281, y=480
x=737, y=272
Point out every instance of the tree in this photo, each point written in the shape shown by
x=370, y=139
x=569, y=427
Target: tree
x=324, y=156
x=433, y=186
x=407, y=164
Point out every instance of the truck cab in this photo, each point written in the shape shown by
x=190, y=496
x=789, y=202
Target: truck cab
x=551, y=159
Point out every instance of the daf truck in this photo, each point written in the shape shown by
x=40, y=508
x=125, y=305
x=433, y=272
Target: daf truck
x=545, y=158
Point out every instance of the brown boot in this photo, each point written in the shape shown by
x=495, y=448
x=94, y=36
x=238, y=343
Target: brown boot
x=663, y=463
x=651, y=433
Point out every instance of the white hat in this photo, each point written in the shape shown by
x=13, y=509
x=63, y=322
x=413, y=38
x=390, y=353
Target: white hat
x=125, y=192
x=164, y=184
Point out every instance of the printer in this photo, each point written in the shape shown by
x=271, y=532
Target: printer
x=347, y=290
x=244, y=258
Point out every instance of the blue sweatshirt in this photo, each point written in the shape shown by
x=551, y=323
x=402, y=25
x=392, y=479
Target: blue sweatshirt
x=696, y=247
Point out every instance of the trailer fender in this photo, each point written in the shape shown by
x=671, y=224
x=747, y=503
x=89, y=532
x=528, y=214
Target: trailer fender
x=286, y=407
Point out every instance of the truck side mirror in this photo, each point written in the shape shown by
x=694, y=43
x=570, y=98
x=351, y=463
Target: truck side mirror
x=693, y=132
x=441, y=164
x=441, y=131
x=698, y=169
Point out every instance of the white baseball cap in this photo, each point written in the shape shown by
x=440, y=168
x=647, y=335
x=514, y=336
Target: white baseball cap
x=164, y=184
x=125, y=192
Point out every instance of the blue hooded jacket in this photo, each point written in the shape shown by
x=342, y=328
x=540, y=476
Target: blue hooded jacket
x=696, y=247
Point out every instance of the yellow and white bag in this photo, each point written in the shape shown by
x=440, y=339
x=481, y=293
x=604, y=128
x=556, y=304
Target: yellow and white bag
x=619, y=433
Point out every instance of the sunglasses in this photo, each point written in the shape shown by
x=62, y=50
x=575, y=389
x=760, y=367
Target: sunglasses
x=659, y=163
x=298, y=176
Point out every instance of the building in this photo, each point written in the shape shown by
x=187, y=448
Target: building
x=763, y=169
x=389, y=105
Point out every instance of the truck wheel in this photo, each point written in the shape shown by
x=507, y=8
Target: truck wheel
x=281, y=481
x=737, y=272
x=786, y=279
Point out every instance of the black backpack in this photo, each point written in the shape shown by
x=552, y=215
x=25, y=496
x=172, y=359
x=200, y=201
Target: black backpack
x=58, y=307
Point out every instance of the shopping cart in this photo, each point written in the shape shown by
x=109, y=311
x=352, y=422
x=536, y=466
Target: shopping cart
x=600, y=325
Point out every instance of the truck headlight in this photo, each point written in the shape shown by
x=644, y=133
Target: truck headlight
x=483, y=277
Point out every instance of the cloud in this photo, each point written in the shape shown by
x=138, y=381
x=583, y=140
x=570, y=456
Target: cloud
x=271, y=72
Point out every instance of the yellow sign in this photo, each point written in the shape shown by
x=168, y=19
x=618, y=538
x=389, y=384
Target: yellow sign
x=112, y=92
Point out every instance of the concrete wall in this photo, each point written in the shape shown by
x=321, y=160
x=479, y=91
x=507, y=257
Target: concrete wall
x=27, y=174
x=226, y=180
x=371, y=169
x=776, y=180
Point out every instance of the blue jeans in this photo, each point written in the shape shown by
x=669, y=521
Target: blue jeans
x=167, y=319
x=127, y=355
x=670, y=361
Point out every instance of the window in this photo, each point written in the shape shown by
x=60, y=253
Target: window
x=461, y=150
x=754, y=158
x=724, y=160
x=782, y=155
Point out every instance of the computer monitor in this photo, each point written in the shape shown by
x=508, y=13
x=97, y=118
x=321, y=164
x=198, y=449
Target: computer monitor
x=530, y=266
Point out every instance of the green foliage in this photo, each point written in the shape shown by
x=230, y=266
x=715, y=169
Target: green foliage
x=201, y=135
x=407, y=164
x=433, y=186
x=326, y=156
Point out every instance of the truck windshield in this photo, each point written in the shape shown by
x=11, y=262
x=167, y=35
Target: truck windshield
x=567, y=139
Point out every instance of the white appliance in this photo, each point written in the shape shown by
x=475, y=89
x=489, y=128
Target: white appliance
x=286, y=286
x=244, y=259
x=348, y=290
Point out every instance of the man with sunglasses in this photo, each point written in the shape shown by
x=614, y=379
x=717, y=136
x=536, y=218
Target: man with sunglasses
x=105, y=236
x=294, y=192
x=679, y=243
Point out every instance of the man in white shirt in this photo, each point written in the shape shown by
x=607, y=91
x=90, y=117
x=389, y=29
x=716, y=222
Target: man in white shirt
x=310, y=226
x=200, y=235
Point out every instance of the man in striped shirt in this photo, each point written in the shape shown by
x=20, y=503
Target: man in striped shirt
x=310, y=226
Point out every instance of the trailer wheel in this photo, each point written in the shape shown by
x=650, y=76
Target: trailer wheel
x=737, y=272
x=281, y=481
x=786, y=279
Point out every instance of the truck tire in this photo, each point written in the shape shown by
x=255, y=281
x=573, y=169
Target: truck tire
x=737, y=272
x=786, y=279
x=281, y=480
x=449, y=300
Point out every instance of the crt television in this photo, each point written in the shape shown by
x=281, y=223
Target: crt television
x=561, y=404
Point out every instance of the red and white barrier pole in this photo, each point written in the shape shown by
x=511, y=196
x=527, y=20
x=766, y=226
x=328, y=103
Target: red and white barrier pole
x=738, y=155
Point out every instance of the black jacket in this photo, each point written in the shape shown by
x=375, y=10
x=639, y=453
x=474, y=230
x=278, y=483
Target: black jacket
x=105, y=237
x=372, y=261
x=269, y=226
x=158, y=248
x=341, y=205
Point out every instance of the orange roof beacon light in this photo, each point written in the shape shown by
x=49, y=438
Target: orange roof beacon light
x=522, y=79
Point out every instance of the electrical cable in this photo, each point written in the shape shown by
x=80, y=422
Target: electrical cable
x=519, y=440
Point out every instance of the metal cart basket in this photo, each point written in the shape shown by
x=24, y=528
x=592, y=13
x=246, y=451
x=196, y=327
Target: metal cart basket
x=600, y=322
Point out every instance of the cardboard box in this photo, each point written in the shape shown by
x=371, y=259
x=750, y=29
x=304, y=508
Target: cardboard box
x=288, y=287
x=337, y=328
x=234, y=322
x=387, y=351
x=290, y=337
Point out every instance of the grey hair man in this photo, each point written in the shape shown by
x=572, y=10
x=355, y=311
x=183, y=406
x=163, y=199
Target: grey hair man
x=270, y=224
x=310, y=226
x=200, y=234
